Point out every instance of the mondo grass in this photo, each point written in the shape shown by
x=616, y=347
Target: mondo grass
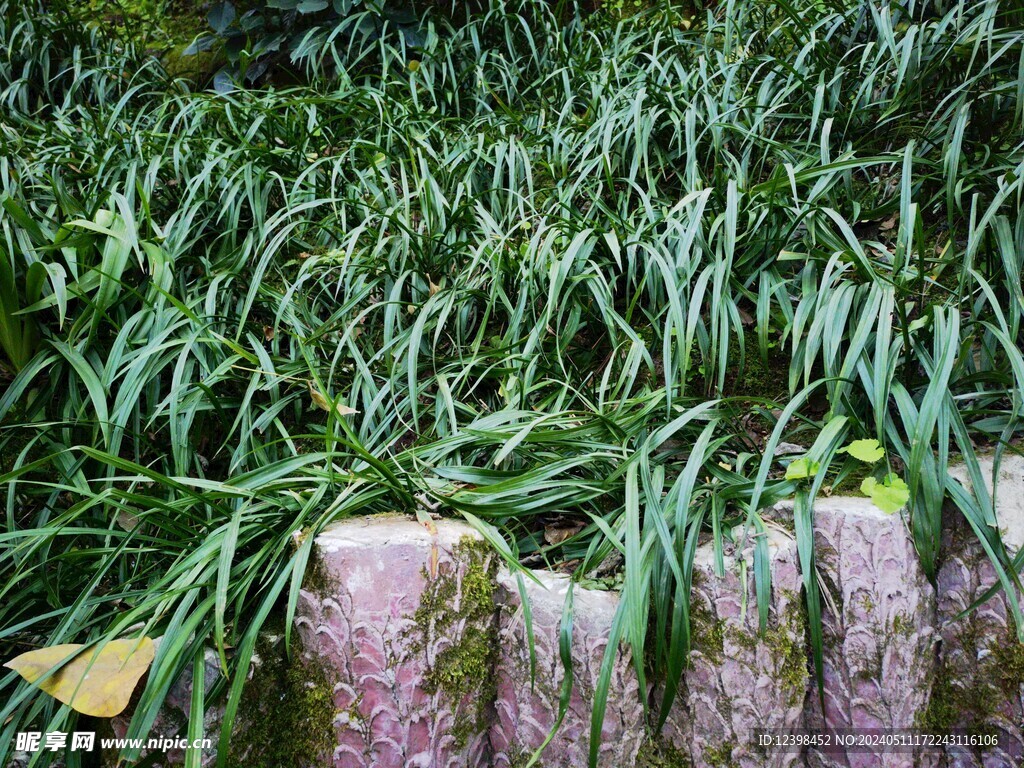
x=530, y=278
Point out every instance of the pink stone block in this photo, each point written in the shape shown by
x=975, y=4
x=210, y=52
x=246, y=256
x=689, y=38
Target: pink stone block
x=980, y=679
x=416, y=641
x=739, y=680
x=525, y=714
x=1007, y=491
x=403, y=623
x=879, y=618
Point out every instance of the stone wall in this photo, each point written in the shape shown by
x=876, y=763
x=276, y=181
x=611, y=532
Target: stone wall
x=416, y=644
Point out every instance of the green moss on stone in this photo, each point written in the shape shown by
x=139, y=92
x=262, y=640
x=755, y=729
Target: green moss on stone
x=161, y=28
x=902, y=625
x=463, y=671
x=318, y=578
x=196, y=67
x=719, y=757
x=149, y=24
x=954, y=706
x=969, y=694
x=850, y=478
x=520, y=758
x=867, y=603
x=656, y=753
x=707, y=633
x=869, y=665
x=746, y=640
x=1008, y=666
x=622, y=9
x=787, y=653
x=289, y=714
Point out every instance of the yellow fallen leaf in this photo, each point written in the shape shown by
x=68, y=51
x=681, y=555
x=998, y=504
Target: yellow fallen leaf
x=319, y=400
x=127, y=520
x=98, y=683
x=324, y=404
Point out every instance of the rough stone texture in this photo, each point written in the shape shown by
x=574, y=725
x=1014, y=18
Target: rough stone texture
x=399, y=621
x=1009, y=495
x=739, y=680
x=172, y=721
x=524, y=716
x=981, y=665
x=879, y=619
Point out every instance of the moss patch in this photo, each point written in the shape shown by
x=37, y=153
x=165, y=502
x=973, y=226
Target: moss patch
x=318, y=578
x=707, y=631
x=902, y=625
x=757, y=378
x=161, y=28
x=954, y=706
x=787, y=653
x=1008, y=664
x=621, y=9
x=518, y=757
x=849, y=479
x=969, y=693
x=197, y=68
x=151, y=24
x=462, y=609
x=867, y=603
x=719, y=757
x=290, y=713
x=656, y=753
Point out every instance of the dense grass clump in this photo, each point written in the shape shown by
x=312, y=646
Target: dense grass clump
x=542, y=269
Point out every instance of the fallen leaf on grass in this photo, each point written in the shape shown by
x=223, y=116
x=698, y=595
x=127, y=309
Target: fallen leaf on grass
x=98, y=682
x=324, y=404
x=127, y=520
x=557, y=533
